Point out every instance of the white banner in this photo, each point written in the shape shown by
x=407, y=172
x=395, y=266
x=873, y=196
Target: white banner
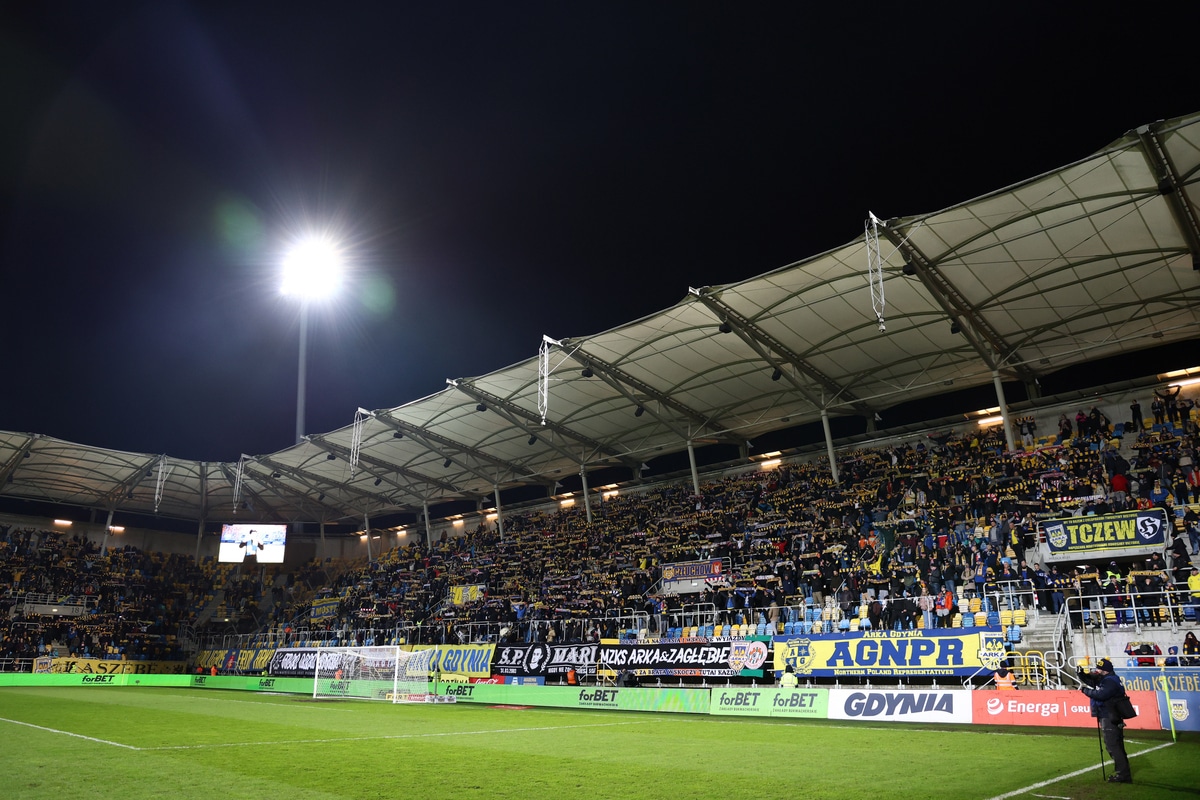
x=910, y=705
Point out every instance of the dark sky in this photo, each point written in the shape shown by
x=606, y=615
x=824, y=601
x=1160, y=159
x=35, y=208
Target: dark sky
x=498, y=171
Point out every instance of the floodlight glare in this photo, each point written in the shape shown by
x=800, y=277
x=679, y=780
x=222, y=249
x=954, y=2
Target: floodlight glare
x=312, y=269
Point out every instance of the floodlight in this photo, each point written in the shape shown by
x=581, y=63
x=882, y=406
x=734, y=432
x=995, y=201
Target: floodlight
x=312, y=269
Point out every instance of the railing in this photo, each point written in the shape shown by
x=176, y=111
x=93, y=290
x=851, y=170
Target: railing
x=1128, y=611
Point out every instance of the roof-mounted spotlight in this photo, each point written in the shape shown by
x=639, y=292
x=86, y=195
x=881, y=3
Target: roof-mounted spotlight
x=955, y=328
x=28, y=454
x=397, y=435
x=725, y=327
x=640, y=410
x=909, y=269
x=533, y=439
x=587, y=372
x=481, y=407
x=330, y=457
x=276, y=475
x=378, y=481
x=320, y=497
x=446, y=464
x=777, y=374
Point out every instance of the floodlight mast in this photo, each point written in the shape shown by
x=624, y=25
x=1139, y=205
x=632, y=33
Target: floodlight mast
x=312, y=270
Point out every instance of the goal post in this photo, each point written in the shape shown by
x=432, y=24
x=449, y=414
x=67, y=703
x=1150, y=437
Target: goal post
x=376, y=673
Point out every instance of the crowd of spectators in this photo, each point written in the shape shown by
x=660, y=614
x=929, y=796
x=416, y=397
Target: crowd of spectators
x=906, y=533
x=132, y=602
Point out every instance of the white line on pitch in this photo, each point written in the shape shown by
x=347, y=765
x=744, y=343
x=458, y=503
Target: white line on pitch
x=68, y=733
x=384, y=737
x=1053, y=796
x=1074, y=774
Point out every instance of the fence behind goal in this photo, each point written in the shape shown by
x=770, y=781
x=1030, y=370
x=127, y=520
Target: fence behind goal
x=376, y=673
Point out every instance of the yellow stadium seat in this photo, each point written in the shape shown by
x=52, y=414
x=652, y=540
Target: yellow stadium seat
x=817, y=626
x=718, y=630
x=1019, y=617
x=1006, y=618
x=958, y=620
x=920, y=622
x=975, y=605
x=854, y=624
x=980, y=620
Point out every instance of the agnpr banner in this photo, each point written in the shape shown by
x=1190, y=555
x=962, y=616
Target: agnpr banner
x=1107, y=532
x=952, y=651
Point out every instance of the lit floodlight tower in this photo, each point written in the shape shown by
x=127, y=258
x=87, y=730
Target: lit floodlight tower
x=312, y=270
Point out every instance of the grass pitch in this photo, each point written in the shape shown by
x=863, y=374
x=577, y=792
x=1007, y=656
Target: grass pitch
x=58, y=743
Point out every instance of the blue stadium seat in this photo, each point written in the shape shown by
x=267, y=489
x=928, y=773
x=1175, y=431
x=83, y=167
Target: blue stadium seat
x=968, y=620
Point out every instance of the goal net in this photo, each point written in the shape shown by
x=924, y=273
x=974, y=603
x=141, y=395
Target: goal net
x=375, y=673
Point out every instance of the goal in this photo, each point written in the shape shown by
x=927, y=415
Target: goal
x=376, y=673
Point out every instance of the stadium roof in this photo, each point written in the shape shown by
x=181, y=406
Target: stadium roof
x=1095, y=259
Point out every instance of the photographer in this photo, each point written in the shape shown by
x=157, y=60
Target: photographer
x=1111, y=707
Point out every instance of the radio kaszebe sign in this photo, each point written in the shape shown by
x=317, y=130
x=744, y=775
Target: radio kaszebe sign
x=1107, y=532
x=953, y=651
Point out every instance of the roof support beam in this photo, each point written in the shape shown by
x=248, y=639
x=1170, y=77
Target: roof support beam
x=992, y=348
x=779, y=355
x=20, y=455
x=520, y=417
x=428, y=439
x=121, y=490
x=623, y=382
x=258, y=498
x=314, y=482
x=1170, y=186
x=381, y=469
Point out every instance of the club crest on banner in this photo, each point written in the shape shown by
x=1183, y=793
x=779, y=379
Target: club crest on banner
x=1056, y=533
x=747, y=655
x=799, y=654
x=1149, y=527
x=1179, y=710
x=991, y=651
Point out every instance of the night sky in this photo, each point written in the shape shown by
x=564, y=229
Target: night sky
x=497, y=171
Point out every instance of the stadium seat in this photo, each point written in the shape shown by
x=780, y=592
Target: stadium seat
x=958, y=621
x=982, y=619
x=974, y=605
x=718, y=630
x=1019, y=617
x=1006, y=618
x=968, y=620
x=991, y=618
x=760, y=629
x=864, y=624
x=816, y=628
x=964, y=605
x=854, y=624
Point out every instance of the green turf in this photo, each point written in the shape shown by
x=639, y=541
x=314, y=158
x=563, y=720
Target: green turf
x=177, y=743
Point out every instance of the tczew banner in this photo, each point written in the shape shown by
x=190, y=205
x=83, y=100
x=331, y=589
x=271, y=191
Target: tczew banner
x=541, y=660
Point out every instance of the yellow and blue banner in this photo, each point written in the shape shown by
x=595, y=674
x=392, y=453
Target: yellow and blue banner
x=917, y=653
x=1107, y=532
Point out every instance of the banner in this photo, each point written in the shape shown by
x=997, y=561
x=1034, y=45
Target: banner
x=250, y=660
x=1060, y=708
x=952, y=706
x=692, y=570
x=460, y=595
x=472, y=660
x=1183, y=709
x=949, y=651
x=104, y=666
x=771, y=702
x=698, y=658
x=323, y=609
x=1151, y=679
x=545, y=659
x=1107, y=532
